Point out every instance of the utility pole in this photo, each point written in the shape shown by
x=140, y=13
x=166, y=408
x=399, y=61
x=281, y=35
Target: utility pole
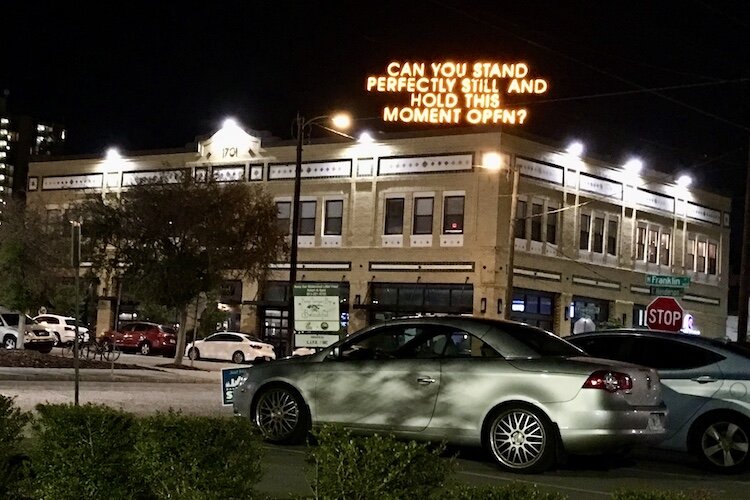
x=75, y=260
x=743, y=294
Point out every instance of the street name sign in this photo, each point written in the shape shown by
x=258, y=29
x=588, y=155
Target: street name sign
x=666, y=281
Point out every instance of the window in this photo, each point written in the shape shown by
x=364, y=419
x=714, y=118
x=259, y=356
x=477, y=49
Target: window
x=711, y=258
x=283, y=215
x=583, y=243
x=653, y=240
x=552, y=224
x=598, y=240
x=640, y=246
x=394, y=216
x=664, y=249
x=537, y=210
x=690, y=255
x=612, y=232
x=334, y=217
x=520, y=223
x=453, y=215
x=307, y=218
x=423, y=215
x=701, y=262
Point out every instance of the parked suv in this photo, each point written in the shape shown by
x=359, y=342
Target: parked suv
x=63, y=328
x=145, y=338
x=37, y=337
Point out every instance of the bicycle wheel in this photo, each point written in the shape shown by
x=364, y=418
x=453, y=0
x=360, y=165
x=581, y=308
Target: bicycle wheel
x=90, y=351
x=111, y=353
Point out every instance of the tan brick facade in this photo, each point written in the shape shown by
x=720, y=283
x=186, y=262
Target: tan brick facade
x=589, y=232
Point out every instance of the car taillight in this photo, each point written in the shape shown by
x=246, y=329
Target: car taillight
x=609, y=381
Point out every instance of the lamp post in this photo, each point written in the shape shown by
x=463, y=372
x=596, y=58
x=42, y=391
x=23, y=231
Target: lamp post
x=339, y=121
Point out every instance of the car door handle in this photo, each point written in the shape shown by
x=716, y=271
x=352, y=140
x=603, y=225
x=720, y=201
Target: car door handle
x=425, y=380
x=704, y=379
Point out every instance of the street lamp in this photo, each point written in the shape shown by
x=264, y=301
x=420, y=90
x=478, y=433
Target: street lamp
x=339, y=121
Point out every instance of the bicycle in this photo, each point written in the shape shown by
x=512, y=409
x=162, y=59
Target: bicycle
x=68, y=350
x=103, y=347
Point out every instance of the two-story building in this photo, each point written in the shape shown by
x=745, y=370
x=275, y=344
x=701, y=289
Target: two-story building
x=421, y=223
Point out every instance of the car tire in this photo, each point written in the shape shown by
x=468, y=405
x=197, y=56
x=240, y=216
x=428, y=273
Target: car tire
x=721, y=443
x=46, y=350
x=194, y=353
x=144, y=348
x=520, y=438
x=238, y=357
x=9, y=342
x=281, y=415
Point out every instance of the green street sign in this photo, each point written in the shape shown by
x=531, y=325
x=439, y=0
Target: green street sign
x=666, y=292
x=666, y=281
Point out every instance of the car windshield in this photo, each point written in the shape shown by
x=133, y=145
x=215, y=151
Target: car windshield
x=531, y=342
x=31, y=321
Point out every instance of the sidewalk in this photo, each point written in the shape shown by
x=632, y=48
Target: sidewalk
x=162, y=375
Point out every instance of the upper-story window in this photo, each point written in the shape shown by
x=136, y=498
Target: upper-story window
x=537, y=212
x=519, y=227
x=653, y=244
x=307, y=218
x=283, y=215
x=423, y=209
x=701, y=255
x=334, y=217
x=394, y=216
x=453, y=215
x=585, y=232
x=599, y=233
x=536, y=220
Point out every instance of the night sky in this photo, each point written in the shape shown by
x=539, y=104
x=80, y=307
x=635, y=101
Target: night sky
x=154, y=75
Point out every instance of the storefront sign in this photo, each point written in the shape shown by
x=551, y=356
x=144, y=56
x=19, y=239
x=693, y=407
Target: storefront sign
x=231, y=379
x=316, y=308
x=447, y=92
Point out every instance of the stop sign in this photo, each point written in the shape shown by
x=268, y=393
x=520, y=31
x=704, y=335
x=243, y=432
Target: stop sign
x=664, y=313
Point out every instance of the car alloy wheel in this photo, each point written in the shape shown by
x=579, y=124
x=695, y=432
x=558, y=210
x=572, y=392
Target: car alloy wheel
x=724, y=445
x=521, y=440
x=281, y=416
x=193, y=353
x=145, y=348
x=238, y=357
x=9, y=342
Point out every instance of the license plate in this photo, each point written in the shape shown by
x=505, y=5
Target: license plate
x=656, y=422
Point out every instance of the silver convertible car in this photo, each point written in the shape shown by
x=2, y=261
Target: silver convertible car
x=523, y=393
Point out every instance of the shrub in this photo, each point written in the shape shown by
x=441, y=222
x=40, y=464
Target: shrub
x=82, y=452
x=512, y=491
x=12, y=422
x=347, y=467
x=189, y=457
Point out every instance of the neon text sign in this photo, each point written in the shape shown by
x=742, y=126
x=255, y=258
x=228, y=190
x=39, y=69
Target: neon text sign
x=453, y=93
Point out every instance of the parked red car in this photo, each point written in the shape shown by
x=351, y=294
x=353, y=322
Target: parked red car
x=145, y=338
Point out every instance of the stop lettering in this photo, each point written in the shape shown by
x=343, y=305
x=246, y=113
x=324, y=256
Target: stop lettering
x=664, y=313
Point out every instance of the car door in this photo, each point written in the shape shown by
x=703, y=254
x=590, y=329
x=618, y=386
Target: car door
x=374, y=382
x=208, y=347
x=130, y=336
x=226, y=344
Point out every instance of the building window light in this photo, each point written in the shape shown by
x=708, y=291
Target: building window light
x=40, y=128
x=3, y=121
x=3, y=131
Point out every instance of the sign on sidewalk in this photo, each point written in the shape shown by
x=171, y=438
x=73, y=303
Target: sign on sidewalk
x=231, y=379
x=316, y=314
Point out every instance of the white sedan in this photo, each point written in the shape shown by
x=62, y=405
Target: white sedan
x=234, y=346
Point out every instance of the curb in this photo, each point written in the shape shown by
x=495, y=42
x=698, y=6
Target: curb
x=38, y=375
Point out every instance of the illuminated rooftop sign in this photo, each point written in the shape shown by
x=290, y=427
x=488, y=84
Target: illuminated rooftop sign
x=453, y=93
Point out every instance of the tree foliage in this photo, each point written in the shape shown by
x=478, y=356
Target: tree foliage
x=32, y=257
x=170, y=241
